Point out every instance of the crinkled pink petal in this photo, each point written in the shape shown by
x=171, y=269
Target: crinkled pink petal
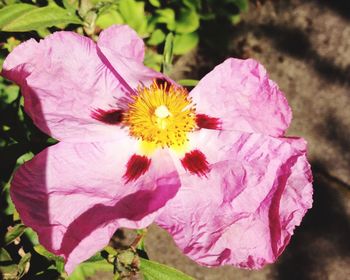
x=122, y=50
x=63, y=80
x=75, y=197
x=245, y=211
x=124, y=41
x=21, y=62
x=240, y=93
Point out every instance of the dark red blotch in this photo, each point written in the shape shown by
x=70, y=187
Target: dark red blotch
x=136, y=166
x=163, y=82
x=108, y=117
x=204, y=121
x=195, y=162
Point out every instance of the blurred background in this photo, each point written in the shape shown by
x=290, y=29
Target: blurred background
x=305, y=47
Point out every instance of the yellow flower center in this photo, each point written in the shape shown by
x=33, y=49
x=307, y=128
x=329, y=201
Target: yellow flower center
x=160, y=116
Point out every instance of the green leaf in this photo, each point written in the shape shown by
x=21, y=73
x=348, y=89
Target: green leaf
x=8, y=209
x=155, y=3
x=23, y=265
x=42, y=251
x=168, y=48
x=34, y=18
x=99, y=2
x=207, y=16
x=10, y=44
x=87, y=269
x=110, y=250
x=9, y=93
x=187, y=22
x=133, y=13
x=188, y=82
x=15, y=232
x=126, y=257
x=90, y=23
x=25, y=157
x=59, y=261
x=11, y=12
x=9, y=271
x=168, y=53
x=95, y=258
x=4, y=255
x=155, y=271
x=153, y=60
x=71, y=5
x=140, y=239
x=108, y=18
x=32, y=236
x=86, y=5
x=192, y=4
x=60, y=266
x=183, y=43
x=51, y=141
x=43, y=32
x=21, y=109
x=15, y=214
x=156, y=38
x=235, y=19
x=166, y=16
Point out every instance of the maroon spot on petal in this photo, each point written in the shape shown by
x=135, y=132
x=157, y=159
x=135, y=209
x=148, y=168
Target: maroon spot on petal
x=108, y=117
x=163, y=82
x=136, y=166
x=195, y=162
x=204, y=121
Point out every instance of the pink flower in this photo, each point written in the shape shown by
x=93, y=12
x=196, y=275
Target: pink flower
x=211, y=166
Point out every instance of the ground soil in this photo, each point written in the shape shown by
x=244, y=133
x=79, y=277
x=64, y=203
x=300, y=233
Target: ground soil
x=305, y=46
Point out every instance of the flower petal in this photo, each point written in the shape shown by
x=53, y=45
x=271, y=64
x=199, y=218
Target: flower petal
x=63, y=81
x=122, y=50
x=123, y=40
x=20, y=62
x=74, y=195
x=245, y=211
x=240, y=93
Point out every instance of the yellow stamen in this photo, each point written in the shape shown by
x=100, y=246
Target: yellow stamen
x=160, y=116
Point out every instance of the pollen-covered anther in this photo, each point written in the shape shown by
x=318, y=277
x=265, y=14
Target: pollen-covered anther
x=162, y=114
